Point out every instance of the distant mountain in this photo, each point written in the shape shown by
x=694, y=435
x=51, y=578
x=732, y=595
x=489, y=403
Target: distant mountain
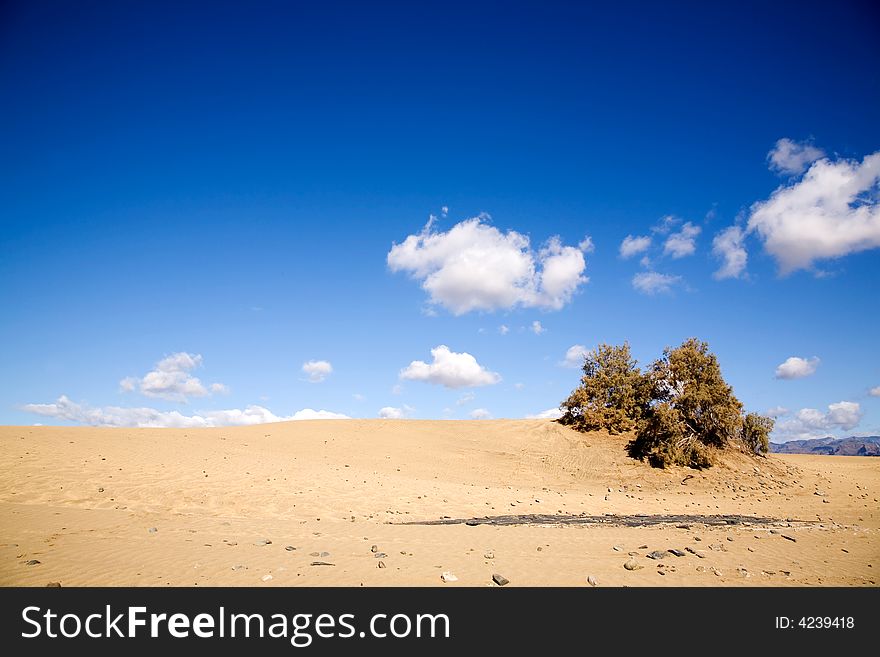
x=852, y=446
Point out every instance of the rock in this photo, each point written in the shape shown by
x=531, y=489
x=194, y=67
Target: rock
x=789, y=538
x=471, y=523
x=152, y=530
x=643, y=547
x=656, y=554
x=616, y=548
x=697, y=553
x=676, y=552
x=374, y=548
x=592, y=581
x=540, y=548
x=378, y=555
x=632, y=564
x=33, y=562
x=239, y=567
x=500, y=580
x=321, y=563
x=289, y=548
x=101, y=490
x=489, y=555
x=266, y=578
x=381, y=564
x=53, y=585
x=263, y=541
x=446, y=576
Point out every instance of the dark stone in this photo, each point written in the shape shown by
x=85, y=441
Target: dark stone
x=500, y=580
x=676, y=552
x=656, y=554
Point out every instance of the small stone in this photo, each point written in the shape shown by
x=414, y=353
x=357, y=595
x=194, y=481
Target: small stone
x=266, y=578
x=152, y=530
x=289, y=548
x=676, y=552
x=32, y=562
x=263, y=541
x=53, y=585
x=643, y=547
x=789, y=538
x=656, y=554
x=617, y=548
x=632, y=564
x=239, y=567
x=447, y=576
x=374, y=548
x=321, y=563
x=500, y=580
x=378, y=555
x=592, y=581
x=101, y=490
x=697, y=553
x=540, y=548
x=489, y=555
x=471, y=523
x=381, y=564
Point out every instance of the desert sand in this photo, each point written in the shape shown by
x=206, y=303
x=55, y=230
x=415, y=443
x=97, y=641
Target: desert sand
x=258, y=506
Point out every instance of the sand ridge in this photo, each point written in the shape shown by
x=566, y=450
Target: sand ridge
x=257, y=506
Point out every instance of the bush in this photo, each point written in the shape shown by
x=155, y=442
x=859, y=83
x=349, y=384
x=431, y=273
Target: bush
x=756, y=433
x=613, y=394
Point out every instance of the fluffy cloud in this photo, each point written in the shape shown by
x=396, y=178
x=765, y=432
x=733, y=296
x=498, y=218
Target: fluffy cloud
x=480, y=414
x=833, y=211
x=682, y=243
x=776, y=411
x=549, y=414
x=450, y=369
x=317, y=370
x=171, y=379
x=574, y=356
x=795, y=367
x=503, y=329
x=791, y=158
x=537, y=328
x=652, y=282
x=633, y=245
x=114, y=416
x=474, y=266
x=811, y=423
x=391, y=413
x=728, y=247
x=874, y=392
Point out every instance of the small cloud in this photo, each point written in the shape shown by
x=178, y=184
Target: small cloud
x=480, y=414
x=633, y=245
x=797, y=368
x=682, y=243
x=728, y=246
x=776, y=411
x=789, y=157
x=358, y=396
x=450, y=369
x=574, y=356
x=586, y=245
x=219, y=389
x=466, y=398
x=652, y=282
x=444, y=211
x=665, y=225
x=519, y=386
x=536, y=328
x=504, y=329
x=811, y=423
x=396, y=389
x=317, y=370
x=391, y=413
x=549, y=414
x=874, y=392
x=171, y=379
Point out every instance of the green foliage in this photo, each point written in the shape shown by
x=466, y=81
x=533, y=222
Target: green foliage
x=756, y=433
x=613, y=394
x=681, y=409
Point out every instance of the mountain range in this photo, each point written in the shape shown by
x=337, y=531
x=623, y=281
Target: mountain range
x=852, y=446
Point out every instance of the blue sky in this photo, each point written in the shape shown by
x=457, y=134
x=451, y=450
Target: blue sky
x=212, y=194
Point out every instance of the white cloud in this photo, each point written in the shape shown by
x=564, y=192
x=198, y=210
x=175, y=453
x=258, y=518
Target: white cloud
x=466, y=398
x=536, y=328
x=444, y=210
x=682, y=243
x=391, y=413
x=549, y=414
x=652, y=282
x=633, y=245
x=219, y=388
x=474, y=266
x=519, y=386
x=790, y=157
x=574, y=356
x=665, y=224
x=795, y=367
x=874, y=392
x=728, y=247
x=358, y=396
x=811, y=423
x=776, y=411
x=833, y=211
x=397, y=389
x=450, y=369
x=586, y=245
x=114, y=416
x=504, y=329
x=480, y=414
x=171, y=380
x=317, y=370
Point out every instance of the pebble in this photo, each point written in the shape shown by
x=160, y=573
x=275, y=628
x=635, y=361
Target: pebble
x=381, y=564
x=321, y=563
x=697, y=553
x=289, y=548
x=471, y=523
x=632, y=565
x=592, y=581
x=643, y=547
x=264, y=541
x=378, y=555
x=676, y=552
x=447, y=576
x=374, y=548
x=152, y=530
x=32, y=562
x=616, y=548
x=656, y=554
x=789, y=538
x=53, y=585
x=489, y=555
x=239, y=567
x=266, y=578
x=500, y=580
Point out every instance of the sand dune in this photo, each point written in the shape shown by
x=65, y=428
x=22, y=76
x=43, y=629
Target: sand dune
x=259, y=505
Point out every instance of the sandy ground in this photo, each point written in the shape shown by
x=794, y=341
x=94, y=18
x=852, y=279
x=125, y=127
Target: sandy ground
x=257, y=506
